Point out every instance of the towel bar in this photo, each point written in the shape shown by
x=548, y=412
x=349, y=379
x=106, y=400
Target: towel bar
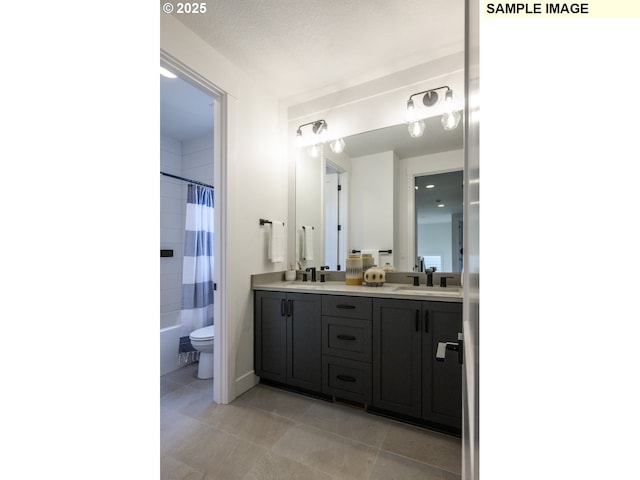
x=389, y=252
x=263, y=221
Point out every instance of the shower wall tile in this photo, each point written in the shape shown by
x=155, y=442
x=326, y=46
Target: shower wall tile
x=170, y=163
x=171, y=204
x=171, y=220
x=171, y=189
x=200, y=158
x=171, y=225
x=171, y=300
x=204, y=142
x=197, y=159
x=203, y=173
x=169, y=146
x=169, y=280
x=173, y=265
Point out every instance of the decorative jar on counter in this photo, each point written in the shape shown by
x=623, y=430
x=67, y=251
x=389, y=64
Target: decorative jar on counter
x=353, y=273
x=388, y=268
x=367, y=261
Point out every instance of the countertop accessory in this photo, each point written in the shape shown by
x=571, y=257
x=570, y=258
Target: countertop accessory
x=353, y=274
x=374, y=277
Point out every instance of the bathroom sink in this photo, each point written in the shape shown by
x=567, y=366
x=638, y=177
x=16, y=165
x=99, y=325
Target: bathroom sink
x=430, y=290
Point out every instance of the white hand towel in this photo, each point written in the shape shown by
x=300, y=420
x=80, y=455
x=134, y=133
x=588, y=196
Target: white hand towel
x=307, y=242
x=375, y=254
x=276, y=242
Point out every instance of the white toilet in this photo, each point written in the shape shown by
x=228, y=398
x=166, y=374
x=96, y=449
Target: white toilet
x=202, y=340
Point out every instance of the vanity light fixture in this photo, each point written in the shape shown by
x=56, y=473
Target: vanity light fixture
x=320, y=132
x=450, y=118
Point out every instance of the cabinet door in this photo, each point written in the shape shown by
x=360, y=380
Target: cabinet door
x=397, y=374
x=270, y=339
x=304, y=325
x=442, y=381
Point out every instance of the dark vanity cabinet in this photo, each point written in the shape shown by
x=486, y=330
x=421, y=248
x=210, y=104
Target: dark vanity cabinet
x=407, y=379
x=379, y=352
x=287, y=338
x=346, y=347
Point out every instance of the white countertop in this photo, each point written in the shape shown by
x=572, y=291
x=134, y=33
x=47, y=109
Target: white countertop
x=388, y=290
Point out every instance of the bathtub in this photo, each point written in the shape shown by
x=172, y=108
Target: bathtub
x=169, y=342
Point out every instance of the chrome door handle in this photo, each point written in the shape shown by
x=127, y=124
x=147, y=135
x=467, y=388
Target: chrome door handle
x=458, y=346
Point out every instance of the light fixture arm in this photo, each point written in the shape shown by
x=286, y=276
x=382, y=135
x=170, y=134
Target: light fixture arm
x=318, y=126
x=430, y=90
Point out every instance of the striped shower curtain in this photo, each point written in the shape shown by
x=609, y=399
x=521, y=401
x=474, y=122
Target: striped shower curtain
x=197, y=269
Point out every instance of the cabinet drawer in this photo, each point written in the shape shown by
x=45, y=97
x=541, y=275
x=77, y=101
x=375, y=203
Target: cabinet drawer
x=346, y=338
x=347, y=379
x=342, y=306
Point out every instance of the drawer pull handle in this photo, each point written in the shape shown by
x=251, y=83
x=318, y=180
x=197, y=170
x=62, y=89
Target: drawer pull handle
x=346, y=307
x=351, y=338
x=346, y=378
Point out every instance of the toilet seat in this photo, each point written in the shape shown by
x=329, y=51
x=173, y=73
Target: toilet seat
x=202, y=334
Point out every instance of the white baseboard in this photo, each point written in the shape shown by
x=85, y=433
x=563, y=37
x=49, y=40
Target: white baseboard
x=246, y=382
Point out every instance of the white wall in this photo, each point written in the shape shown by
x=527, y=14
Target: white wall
x=439, y=244
x=253, y=186
x=371, y=196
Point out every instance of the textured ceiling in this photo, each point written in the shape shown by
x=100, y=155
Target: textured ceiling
x=305, y=48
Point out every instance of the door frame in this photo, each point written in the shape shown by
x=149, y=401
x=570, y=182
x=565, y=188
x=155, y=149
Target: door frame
x=220, y=381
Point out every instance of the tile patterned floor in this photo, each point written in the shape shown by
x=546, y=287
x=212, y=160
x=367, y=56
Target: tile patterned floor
x=268, y=433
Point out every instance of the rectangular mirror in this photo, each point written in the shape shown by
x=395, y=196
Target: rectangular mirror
x=375, y=208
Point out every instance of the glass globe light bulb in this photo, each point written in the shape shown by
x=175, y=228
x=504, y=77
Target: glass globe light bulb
x=416, y=129
x=411, y=111
x=450, y=120
x=337, y=146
